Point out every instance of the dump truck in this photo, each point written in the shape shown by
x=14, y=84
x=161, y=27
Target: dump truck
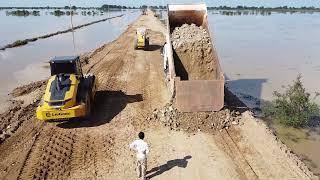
x=142, y=40
x=69, y=93
x=144, y=11
x=191, y=95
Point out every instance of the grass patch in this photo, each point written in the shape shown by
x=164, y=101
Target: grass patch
x=19, y=43
x=294, y=107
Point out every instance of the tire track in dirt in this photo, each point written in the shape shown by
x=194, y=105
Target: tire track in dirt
x=227, y=144
x=84, y=160
x=95, y=151
x=50, y=157
x=16, y=150
x=140, y=79
x=47, y=163
x=26, y=158
x=131, y=85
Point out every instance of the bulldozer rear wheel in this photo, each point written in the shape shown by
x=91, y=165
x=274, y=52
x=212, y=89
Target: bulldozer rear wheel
x=146, y=45
x=135, y=45
x=88, y=106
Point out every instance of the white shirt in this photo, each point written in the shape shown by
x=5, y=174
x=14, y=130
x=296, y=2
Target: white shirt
x=141, y=148
x=165, y=56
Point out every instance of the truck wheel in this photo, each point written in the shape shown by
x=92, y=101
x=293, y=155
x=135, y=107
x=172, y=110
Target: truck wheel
x=135, y=45
x=88, y=106
x=146, y=45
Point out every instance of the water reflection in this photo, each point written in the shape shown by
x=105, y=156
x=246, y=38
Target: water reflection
x=24, y=64
x=276, y=47
x=33, y=26
x=245, y=13
x=260, y=54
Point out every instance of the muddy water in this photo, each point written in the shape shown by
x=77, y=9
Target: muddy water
x=260, y=54
x=304, y=142
x=17, y=27
x=24, y=64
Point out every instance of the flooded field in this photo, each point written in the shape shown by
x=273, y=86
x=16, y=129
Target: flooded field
x=24, y=64
x=46, y=22
x=262, y=53
x=259, y=53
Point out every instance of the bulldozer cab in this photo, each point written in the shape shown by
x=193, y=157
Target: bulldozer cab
x=142, y=41
x=69, y=93
x=141, y=32
x=66, y=65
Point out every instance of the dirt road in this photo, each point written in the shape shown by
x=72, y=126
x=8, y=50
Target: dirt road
x=131, y=86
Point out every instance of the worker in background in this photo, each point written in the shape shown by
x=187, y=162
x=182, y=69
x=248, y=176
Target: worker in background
x=142, y=150
x=165, y=57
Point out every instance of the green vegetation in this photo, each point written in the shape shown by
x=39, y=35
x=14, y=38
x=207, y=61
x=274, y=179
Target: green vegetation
x=245, y=12
x=23, y=13
x=115, y=7
x=294, y=107
x=91, y=13
x=108, y=6
x=224, y=10
x=62, y=13
x=58, y=13
x=19, y=43
x=280, y=8
x=48, y=7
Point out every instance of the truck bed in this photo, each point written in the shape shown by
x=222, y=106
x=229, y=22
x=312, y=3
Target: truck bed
x=192, y=95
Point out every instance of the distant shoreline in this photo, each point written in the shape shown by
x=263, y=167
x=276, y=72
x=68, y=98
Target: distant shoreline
x=106, y=6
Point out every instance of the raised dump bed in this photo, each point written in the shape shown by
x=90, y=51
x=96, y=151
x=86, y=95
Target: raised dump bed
x=194, y=74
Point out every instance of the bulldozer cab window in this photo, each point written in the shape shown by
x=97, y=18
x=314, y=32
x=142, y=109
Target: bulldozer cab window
x=63, y=68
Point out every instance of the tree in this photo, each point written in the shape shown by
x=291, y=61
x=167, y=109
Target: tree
x=294, y=107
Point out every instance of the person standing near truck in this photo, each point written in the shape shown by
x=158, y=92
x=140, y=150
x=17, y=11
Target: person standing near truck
x=165, y=57
x=142, y=150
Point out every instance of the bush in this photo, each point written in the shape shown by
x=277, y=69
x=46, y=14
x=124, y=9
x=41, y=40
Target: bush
x=19, y=43
x=294, y=107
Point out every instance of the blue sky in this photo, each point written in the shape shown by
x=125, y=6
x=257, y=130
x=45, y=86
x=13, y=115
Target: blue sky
x=267, y=3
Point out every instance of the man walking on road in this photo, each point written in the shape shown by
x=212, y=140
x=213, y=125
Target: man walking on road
x=142, y=150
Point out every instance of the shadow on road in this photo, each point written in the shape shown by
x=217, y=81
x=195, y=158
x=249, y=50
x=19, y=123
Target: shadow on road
x=153, y=47
x=107, y=105
x=179, y=67
x=248, y=91
x=156, y=171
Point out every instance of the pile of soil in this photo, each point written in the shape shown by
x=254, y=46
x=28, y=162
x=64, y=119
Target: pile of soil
x=196, y=121
x=193, y=48
x=26, y=89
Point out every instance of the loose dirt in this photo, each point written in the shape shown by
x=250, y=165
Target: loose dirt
x=193, y=48
x=131, y=86
x=26, y=89
x=195, y=122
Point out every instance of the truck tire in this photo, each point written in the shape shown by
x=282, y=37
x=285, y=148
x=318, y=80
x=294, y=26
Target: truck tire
x=135, y=46
x=146, y=44
x=89, y=83
x=88, y=106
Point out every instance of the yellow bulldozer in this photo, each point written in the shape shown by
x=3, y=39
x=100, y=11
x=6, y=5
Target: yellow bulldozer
x=142, y=39
x=69, y=93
